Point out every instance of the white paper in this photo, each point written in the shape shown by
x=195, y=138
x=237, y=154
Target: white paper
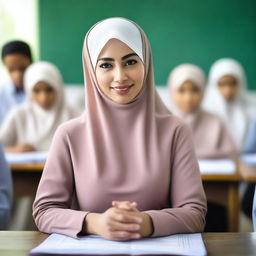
x=249, y=159
x=222, y=166
x=182, y=244
x=28, y=157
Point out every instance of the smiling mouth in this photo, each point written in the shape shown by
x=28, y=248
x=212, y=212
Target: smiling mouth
x=122, y=89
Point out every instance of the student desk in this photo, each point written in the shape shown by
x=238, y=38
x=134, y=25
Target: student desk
x=19, y=243
x=221, y=189
x=248, y=172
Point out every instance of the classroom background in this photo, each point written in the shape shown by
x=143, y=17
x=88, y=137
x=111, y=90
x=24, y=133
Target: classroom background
x=180, y=31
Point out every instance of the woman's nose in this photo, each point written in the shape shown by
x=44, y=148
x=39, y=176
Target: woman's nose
x=120, y=75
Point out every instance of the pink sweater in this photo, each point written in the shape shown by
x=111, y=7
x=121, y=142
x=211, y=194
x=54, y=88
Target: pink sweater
x=173, y=196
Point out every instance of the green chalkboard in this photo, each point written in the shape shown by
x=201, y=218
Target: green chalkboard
x=195, y=31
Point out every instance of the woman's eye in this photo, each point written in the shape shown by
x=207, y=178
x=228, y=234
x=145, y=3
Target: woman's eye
x=105, y=65
x=130, y=62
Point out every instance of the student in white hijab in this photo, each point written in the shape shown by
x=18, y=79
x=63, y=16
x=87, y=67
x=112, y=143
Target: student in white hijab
x=31, y=126
x=186, y=86
x=226, y=97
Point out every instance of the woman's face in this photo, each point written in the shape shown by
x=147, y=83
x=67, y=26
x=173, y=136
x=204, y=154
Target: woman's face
x=228, y=87
x=119, y=72
x=187, y=97
x=44, y=95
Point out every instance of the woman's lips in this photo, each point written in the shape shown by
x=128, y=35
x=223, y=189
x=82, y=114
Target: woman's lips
x=121, y=90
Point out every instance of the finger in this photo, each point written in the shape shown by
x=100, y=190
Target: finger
x=126, y=218
x=124, y=236
x=119, y=226
x=125, y=205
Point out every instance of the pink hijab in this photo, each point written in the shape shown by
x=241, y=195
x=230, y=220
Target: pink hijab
x=123, y=129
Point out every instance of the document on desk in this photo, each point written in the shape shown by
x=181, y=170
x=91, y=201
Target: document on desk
x=28, y=157
x=249, y=159
x=221, y=166
x=181, y=244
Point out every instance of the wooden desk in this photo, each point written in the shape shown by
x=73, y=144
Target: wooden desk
x=248, y=172
x=19, y=243
x=222, y=189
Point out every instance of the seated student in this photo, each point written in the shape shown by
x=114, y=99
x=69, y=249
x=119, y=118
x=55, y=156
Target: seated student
x=31, y=126
x=254, y=210
x=249, y=148
x=16, y=57
x=127, y=147
x=5, y=192
x=250, y=142
x=186, y=85
x=226, y=97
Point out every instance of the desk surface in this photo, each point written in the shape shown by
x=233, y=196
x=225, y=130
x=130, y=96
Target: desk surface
x=18, y=243
x=38, y=167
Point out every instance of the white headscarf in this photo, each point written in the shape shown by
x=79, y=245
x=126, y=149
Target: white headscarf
x=97, y=38
x=235, y=114
x=180, y=75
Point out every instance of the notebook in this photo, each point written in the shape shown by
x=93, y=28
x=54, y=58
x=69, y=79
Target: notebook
x=180, y=244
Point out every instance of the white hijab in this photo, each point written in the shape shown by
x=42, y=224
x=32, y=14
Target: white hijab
x=43, y=123
x=235, y=114
x=178, y=76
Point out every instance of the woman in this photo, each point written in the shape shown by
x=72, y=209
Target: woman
x=226, y=97
x=5, y=192
x=186, y=85
x=31, y=126
x=127, y=148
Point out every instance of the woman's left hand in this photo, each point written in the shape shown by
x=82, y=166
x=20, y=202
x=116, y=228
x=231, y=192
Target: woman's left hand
x=146, y=226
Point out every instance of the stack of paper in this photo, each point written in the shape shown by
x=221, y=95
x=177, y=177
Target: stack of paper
x=222, y=166
x=29, y=157
x=183, y=244
x=249, y=159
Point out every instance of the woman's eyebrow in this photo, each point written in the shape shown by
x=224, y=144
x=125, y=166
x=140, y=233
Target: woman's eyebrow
x=123, y=58
x=106, y=59
x=129, y=55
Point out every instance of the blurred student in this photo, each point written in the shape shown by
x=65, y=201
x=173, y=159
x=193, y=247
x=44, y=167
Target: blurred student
x=5, y=192
x=249, y=148
x=254, y=211
x=16, y=57
x=186, y=85
x=212, y=141
x=250, y=142
x=30, y=127
x=226, y=97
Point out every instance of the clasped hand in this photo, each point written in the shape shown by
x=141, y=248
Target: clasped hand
x=122, y=222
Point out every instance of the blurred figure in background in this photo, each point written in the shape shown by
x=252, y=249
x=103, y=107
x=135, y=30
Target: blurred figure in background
x=186, y=86
x=31, y=126
x=250, y=142
x=5, y=192
x=226, y=97
x=212, y=141
x=249, y=148
x=16, y=57
x=254, y=211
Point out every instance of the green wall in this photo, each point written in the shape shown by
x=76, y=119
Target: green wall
x=196, y=31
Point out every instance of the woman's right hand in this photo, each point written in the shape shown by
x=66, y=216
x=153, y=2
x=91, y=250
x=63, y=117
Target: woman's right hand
x=114, y=224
